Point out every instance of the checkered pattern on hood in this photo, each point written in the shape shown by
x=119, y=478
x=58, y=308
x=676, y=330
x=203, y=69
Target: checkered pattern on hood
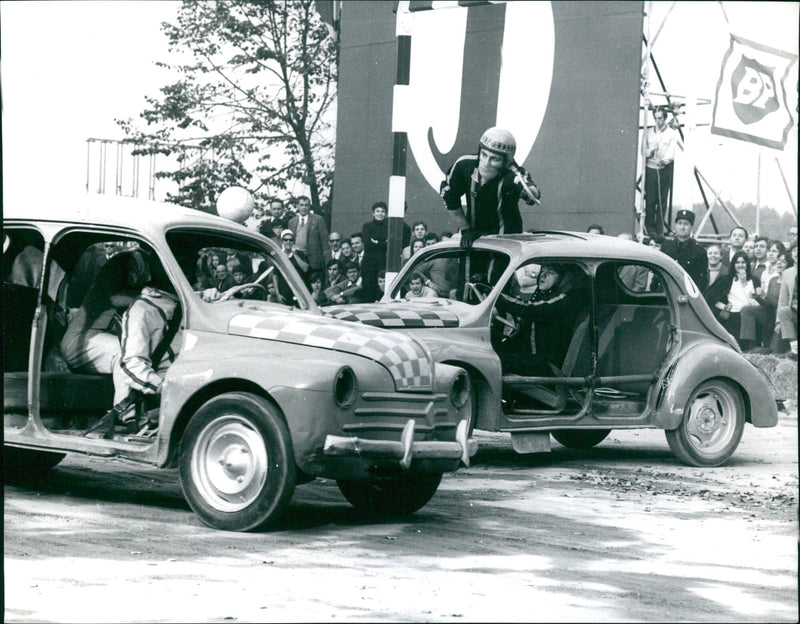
x=404, y=358
x=405, y=318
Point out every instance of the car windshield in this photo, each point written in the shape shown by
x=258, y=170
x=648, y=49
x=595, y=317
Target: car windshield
x=215, y=264
x=466, y=275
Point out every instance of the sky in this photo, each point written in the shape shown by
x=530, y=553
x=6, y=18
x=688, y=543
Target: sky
x=69, y=69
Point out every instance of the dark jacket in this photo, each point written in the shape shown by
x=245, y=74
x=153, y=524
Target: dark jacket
x=555, y=313
x=492, y=208
x=317, y=245
x=691, y=256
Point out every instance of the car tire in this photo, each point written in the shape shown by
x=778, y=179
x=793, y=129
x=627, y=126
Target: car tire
x=20, y=464
x=237, y=466
x=390, y=496
x=711, y=427
x=580, y=439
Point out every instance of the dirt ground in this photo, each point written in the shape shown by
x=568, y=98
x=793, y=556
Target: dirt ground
x=622, y=532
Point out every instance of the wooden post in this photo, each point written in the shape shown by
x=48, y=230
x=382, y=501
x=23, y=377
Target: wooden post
x=786, y=186
x=397, y=181
x=645, y=74
x=758, y=195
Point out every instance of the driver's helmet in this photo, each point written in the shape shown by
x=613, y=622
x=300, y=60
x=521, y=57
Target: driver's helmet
x=499, y=141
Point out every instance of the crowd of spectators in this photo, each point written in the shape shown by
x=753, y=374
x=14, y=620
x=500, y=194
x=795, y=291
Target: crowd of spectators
x=337, y=268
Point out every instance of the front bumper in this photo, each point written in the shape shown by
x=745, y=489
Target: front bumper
x=406, y=450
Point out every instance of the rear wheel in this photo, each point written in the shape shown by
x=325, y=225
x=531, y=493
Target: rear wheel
x=391, y=496
x=711, y=427
x=237, y=465
x=22, y=463
x=580, y=439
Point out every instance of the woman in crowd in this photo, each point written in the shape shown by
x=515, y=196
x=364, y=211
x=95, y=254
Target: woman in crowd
x=758, y=321
x=374, y=234
x=731, y=292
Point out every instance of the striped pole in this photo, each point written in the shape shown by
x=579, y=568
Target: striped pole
x=397, y=181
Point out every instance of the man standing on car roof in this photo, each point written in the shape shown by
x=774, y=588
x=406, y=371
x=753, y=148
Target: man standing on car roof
x=686, y=250
x=493, y=185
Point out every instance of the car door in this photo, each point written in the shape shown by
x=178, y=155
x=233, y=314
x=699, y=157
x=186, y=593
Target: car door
x=635, y=331
x=23, y=253
x=555, y=390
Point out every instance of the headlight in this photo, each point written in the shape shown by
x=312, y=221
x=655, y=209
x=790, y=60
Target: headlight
x=460, y=391
x=345, y=387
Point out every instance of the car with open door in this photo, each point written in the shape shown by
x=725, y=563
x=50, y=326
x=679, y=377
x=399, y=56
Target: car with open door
x=265, y=392
x=642, y=349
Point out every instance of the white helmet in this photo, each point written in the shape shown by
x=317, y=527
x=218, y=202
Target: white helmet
x=500, y=141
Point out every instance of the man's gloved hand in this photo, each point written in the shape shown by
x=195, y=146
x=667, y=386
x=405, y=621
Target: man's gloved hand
x=469, y=236
x=530, y=192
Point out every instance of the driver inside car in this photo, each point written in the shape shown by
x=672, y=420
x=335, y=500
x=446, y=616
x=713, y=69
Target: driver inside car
x=546, y=321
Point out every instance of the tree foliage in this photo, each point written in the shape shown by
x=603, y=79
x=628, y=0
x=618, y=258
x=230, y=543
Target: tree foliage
x=251, y=106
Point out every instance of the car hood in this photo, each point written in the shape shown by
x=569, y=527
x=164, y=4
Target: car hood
x=403, y=315
x=409, y=363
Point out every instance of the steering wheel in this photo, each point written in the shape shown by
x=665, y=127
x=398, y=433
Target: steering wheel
x=237, y=289
x=479, y=289
x=511, y=322
x=255, y=283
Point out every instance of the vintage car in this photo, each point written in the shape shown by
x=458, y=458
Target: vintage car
x=645, y=352
x=261, y=395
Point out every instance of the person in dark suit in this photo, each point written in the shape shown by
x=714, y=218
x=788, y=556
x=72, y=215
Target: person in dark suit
x=686, y=251
x=310, y=234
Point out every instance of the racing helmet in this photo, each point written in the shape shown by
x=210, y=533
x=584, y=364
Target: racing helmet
x=499, y=141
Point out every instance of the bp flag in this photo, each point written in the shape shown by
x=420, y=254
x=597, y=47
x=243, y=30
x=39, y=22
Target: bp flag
x=750, y=103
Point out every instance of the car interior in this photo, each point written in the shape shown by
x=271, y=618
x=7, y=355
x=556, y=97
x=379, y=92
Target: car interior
x=617, y=348
x=69, y=401
x=458, y=274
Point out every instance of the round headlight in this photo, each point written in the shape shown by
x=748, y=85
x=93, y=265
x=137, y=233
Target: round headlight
x=460, y=391
x=345, y=387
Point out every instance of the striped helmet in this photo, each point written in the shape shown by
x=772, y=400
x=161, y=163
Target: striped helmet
x=500, y=141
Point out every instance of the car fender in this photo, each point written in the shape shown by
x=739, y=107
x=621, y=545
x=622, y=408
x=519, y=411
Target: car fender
x=298, y=379
x=471, y=350
x=708, y=361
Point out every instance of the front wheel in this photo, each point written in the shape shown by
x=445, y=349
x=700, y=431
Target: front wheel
x=237, y=466
x=391, y=496
x=711, y=427
x=577, y=439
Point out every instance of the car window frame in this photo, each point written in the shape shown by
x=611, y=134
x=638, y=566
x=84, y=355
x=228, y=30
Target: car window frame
x=255, y=239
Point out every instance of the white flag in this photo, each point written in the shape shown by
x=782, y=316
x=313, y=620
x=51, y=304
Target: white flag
x=750, y=103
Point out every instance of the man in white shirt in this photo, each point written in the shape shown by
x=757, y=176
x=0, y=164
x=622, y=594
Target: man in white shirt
x=716, y=268
x=335, y=251
x=357, y=243
x=662, y=141
x=759, y=263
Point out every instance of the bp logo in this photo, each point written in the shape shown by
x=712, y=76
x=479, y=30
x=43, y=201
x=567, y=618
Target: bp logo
x=472, y=68
x=753, y=90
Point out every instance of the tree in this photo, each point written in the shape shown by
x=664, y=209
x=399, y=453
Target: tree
x=253, y=103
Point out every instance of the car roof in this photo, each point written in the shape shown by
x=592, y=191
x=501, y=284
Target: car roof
x=110, y=210
x=564, y=244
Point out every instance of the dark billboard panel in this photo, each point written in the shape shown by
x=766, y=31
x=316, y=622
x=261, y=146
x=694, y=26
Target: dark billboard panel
x=562, y=76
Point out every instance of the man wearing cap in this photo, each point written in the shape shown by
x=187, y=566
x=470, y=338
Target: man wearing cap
x=493, y=185
x=685, y=250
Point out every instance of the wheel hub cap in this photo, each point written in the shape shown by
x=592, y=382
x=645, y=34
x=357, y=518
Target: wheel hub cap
x=230, y=463
x=710, y=426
